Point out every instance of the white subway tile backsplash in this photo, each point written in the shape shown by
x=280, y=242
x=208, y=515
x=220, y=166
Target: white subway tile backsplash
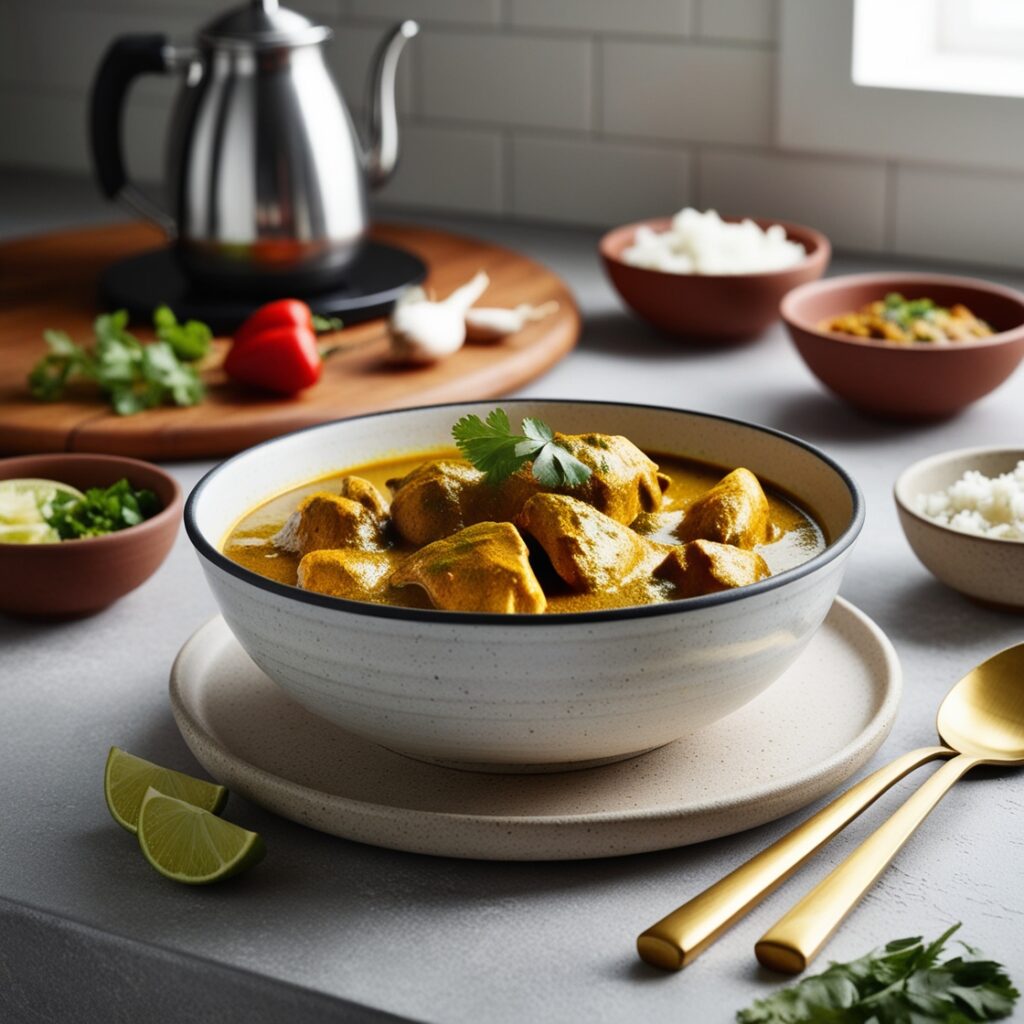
x=507, y=80
x=49, y=130
x=751, y=21
x=447, y=169
x=959, y=215
x=657, y=17
x=843, y=198
x=592, y=182
x=350, y=56
x=466, y=11
x=584, y=111
x=33, y=53
x=698, y=93
x=212, y=8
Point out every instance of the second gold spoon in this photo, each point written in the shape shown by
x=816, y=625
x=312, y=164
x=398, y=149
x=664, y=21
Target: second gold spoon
x=982, y=718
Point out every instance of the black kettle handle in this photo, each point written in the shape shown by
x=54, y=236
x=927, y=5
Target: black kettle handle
x=126, y=58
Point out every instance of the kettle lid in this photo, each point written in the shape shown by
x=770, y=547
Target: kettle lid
x=262, y=24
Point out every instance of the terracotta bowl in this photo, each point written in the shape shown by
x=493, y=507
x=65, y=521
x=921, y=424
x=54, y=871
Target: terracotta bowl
x=78, y=577
x=709, y=307
x=918, y=381
x=988, y=569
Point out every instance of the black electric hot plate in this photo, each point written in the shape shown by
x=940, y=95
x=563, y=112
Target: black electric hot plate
x=369, y=289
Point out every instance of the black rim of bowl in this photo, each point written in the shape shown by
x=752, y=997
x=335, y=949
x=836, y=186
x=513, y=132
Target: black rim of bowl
x=295, y=593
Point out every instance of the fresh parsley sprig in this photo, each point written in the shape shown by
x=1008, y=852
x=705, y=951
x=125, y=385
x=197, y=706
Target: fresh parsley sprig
x=492, y=447
x=904, y=983
x=132, y=375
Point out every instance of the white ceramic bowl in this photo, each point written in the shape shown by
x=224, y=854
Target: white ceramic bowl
x=987, y=569
x=524, y=692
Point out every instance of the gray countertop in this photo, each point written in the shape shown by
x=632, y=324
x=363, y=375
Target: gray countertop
x=331, y=930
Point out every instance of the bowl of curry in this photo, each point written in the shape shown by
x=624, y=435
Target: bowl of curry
x=907, y=346
x=574, y=583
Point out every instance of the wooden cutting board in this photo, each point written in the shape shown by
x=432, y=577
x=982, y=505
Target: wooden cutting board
x=50, y=281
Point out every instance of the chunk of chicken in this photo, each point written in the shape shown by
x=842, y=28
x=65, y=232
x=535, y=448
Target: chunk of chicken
x=734, y=511
x=325, y=521
x=705, y=567
x=358, y=489
x=623, y=481
x=483, y=568
x=345, y=572
x=589, y=550
x=438, y=498
x=435, y=500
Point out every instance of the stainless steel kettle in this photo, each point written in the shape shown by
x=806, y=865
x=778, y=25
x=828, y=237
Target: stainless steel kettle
x=265, y=169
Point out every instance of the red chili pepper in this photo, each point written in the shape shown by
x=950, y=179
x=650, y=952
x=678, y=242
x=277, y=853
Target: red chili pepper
x=282, y=313
x=281, y=359
x=276, y=347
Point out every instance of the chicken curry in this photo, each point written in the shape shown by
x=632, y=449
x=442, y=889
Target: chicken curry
x=638, y=530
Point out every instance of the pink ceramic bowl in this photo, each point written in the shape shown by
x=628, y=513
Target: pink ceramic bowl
x=709, y=307
x=917, y=381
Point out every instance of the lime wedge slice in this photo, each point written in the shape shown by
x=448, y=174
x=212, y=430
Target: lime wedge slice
x=23, y=500
x=190, y=845
x=28, y=533
x=127, y=778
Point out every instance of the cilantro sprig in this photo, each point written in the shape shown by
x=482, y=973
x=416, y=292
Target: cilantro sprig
x=132, y=375
x=492, y=447
x=102, y=510
x=903, y=983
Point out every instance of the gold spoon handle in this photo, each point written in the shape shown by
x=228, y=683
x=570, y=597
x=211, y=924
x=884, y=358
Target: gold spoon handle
x=795, y=939
x=679, y=938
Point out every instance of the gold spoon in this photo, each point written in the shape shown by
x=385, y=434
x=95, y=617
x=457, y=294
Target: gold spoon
x=679, y=938
x=982, y=718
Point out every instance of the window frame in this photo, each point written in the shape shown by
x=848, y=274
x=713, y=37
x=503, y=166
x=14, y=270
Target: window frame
x=820, y=108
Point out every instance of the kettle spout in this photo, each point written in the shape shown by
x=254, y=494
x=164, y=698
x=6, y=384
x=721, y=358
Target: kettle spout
x=383, y=154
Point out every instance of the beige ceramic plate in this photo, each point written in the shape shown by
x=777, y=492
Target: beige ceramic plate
x=800, y=739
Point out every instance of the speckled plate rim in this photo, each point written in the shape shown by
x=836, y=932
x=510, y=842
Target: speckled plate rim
x=475, y=834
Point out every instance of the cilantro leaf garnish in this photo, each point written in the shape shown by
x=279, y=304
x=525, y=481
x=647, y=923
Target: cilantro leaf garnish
x=903, y=983
x=133, y=376
x=102, y=510
x=491, y=446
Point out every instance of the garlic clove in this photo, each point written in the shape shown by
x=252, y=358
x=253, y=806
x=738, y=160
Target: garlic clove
x=485, y=325
x=424, y=332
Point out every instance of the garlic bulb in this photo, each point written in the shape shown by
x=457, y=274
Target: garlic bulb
x=423, y=332
x=488, y=325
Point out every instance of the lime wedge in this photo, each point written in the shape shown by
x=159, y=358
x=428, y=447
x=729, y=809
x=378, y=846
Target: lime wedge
x=127, y=778
x=28, y=533
x=24, y=500
x=190, y=845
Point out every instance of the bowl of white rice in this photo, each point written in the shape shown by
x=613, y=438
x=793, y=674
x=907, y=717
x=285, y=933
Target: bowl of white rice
x=963, y=514
x=701, y=276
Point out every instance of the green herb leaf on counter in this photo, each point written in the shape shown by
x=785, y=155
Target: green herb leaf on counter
x=134, y=376
x=190, y=340
x=102, y=510
x=903, y=983
x=65, y=360
x=326, y=324
x=497, y=452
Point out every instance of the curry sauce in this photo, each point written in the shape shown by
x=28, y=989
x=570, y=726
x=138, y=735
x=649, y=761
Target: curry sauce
x=794, y=538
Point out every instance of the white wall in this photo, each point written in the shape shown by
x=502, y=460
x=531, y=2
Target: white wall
x=580, y=111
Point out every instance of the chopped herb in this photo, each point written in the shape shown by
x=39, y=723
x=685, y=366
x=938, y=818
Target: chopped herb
x=189, y=341
x=497, y=452
x=132, y=375
x=904, y=983
x=102, y=510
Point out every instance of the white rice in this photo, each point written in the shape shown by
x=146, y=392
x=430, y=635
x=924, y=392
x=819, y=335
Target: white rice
x=977, y=504
x=702, y=243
